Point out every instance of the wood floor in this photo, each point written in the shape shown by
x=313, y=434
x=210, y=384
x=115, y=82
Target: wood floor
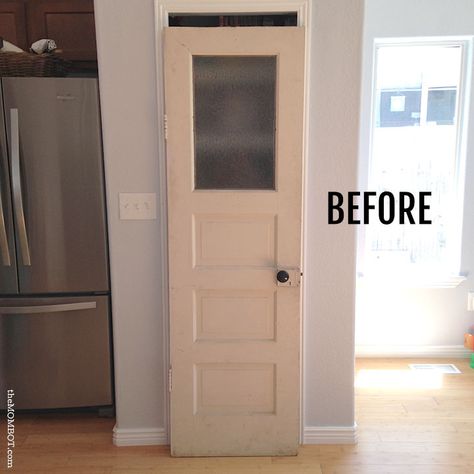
x=420, y=427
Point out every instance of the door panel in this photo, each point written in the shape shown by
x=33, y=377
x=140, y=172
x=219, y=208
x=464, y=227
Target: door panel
x=8, y=273
x=61, y=181
x=70, y=23
x=13, y=23
x=234, y=105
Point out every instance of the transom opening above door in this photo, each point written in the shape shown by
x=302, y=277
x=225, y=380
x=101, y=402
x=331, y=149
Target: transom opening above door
x=214, y=20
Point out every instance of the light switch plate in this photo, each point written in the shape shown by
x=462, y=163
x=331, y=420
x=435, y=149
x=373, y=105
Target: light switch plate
x=137, y=206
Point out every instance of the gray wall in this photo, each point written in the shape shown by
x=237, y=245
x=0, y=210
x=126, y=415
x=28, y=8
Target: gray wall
x=330, y=250
x=125, y=39
x=128, y=89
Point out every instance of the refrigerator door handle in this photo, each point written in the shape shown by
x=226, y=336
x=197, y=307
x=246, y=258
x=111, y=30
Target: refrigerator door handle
x=16, y=186
x=51, y=308
x=3, y=237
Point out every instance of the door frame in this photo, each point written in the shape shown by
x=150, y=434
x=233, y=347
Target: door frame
x=163, y=9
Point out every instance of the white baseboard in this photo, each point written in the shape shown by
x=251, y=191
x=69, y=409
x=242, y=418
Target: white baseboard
x=311, y=435
x=330, y=435
x=139, y=436
x=456, y=352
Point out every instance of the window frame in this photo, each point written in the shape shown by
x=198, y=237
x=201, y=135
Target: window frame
x=451, y=276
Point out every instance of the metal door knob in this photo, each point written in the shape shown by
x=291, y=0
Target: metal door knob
x=282, y=276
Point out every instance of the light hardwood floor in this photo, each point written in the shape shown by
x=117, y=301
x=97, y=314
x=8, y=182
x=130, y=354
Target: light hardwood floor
x=417, y=429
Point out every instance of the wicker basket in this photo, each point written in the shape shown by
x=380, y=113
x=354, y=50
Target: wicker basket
x=37, y=65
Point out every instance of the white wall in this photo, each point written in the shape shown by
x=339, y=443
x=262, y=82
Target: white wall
x=401, y=320
x=128, y=90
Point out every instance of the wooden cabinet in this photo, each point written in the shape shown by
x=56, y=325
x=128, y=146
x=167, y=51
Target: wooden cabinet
x=69, y=22
x=13, y=23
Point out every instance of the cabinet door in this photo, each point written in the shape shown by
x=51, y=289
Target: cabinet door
x=12, y=23
x=69, y=22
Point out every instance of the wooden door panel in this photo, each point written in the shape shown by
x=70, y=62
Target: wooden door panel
x=69, y=22
x=239, y=239
x=224, y=388
x=234, y=219
x=13, y=23
x=235, y=315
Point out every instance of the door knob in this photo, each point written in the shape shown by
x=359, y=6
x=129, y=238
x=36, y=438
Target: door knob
x=283, y=276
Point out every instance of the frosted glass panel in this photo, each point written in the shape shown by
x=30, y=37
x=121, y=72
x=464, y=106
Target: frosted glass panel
x=234, y=122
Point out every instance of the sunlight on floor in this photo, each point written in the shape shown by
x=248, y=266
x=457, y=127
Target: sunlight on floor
x=398, y=379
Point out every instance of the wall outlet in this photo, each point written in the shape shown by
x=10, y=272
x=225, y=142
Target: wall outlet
x=137, y=206
x=470, y=301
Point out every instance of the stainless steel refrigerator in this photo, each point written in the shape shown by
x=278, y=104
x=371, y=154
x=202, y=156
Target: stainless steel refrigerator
x=55, y=344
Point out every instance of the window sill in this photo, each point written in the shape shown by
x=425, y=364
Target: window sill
x=413, y=281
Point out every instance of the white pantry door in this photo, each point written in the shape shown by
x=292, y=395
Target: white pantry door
x=234, y=106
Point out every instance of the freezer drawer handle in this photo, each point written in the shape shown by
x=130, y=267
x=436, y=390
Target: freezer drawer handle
x=16, y=185
x=3, y=237
x=51, y=308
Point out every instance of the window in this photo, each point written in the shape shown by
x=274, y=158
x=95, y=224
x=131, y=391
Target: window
x=417, y=144
x=234, y=121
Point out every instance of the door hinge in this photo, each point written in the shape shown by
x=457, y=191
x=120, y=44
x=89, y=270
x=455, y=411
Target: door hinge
x=165, y=123
x=170, y=379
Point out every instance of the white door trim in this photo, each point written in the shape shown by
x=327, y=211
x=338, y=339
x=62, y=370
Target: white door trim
x=163, y=8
